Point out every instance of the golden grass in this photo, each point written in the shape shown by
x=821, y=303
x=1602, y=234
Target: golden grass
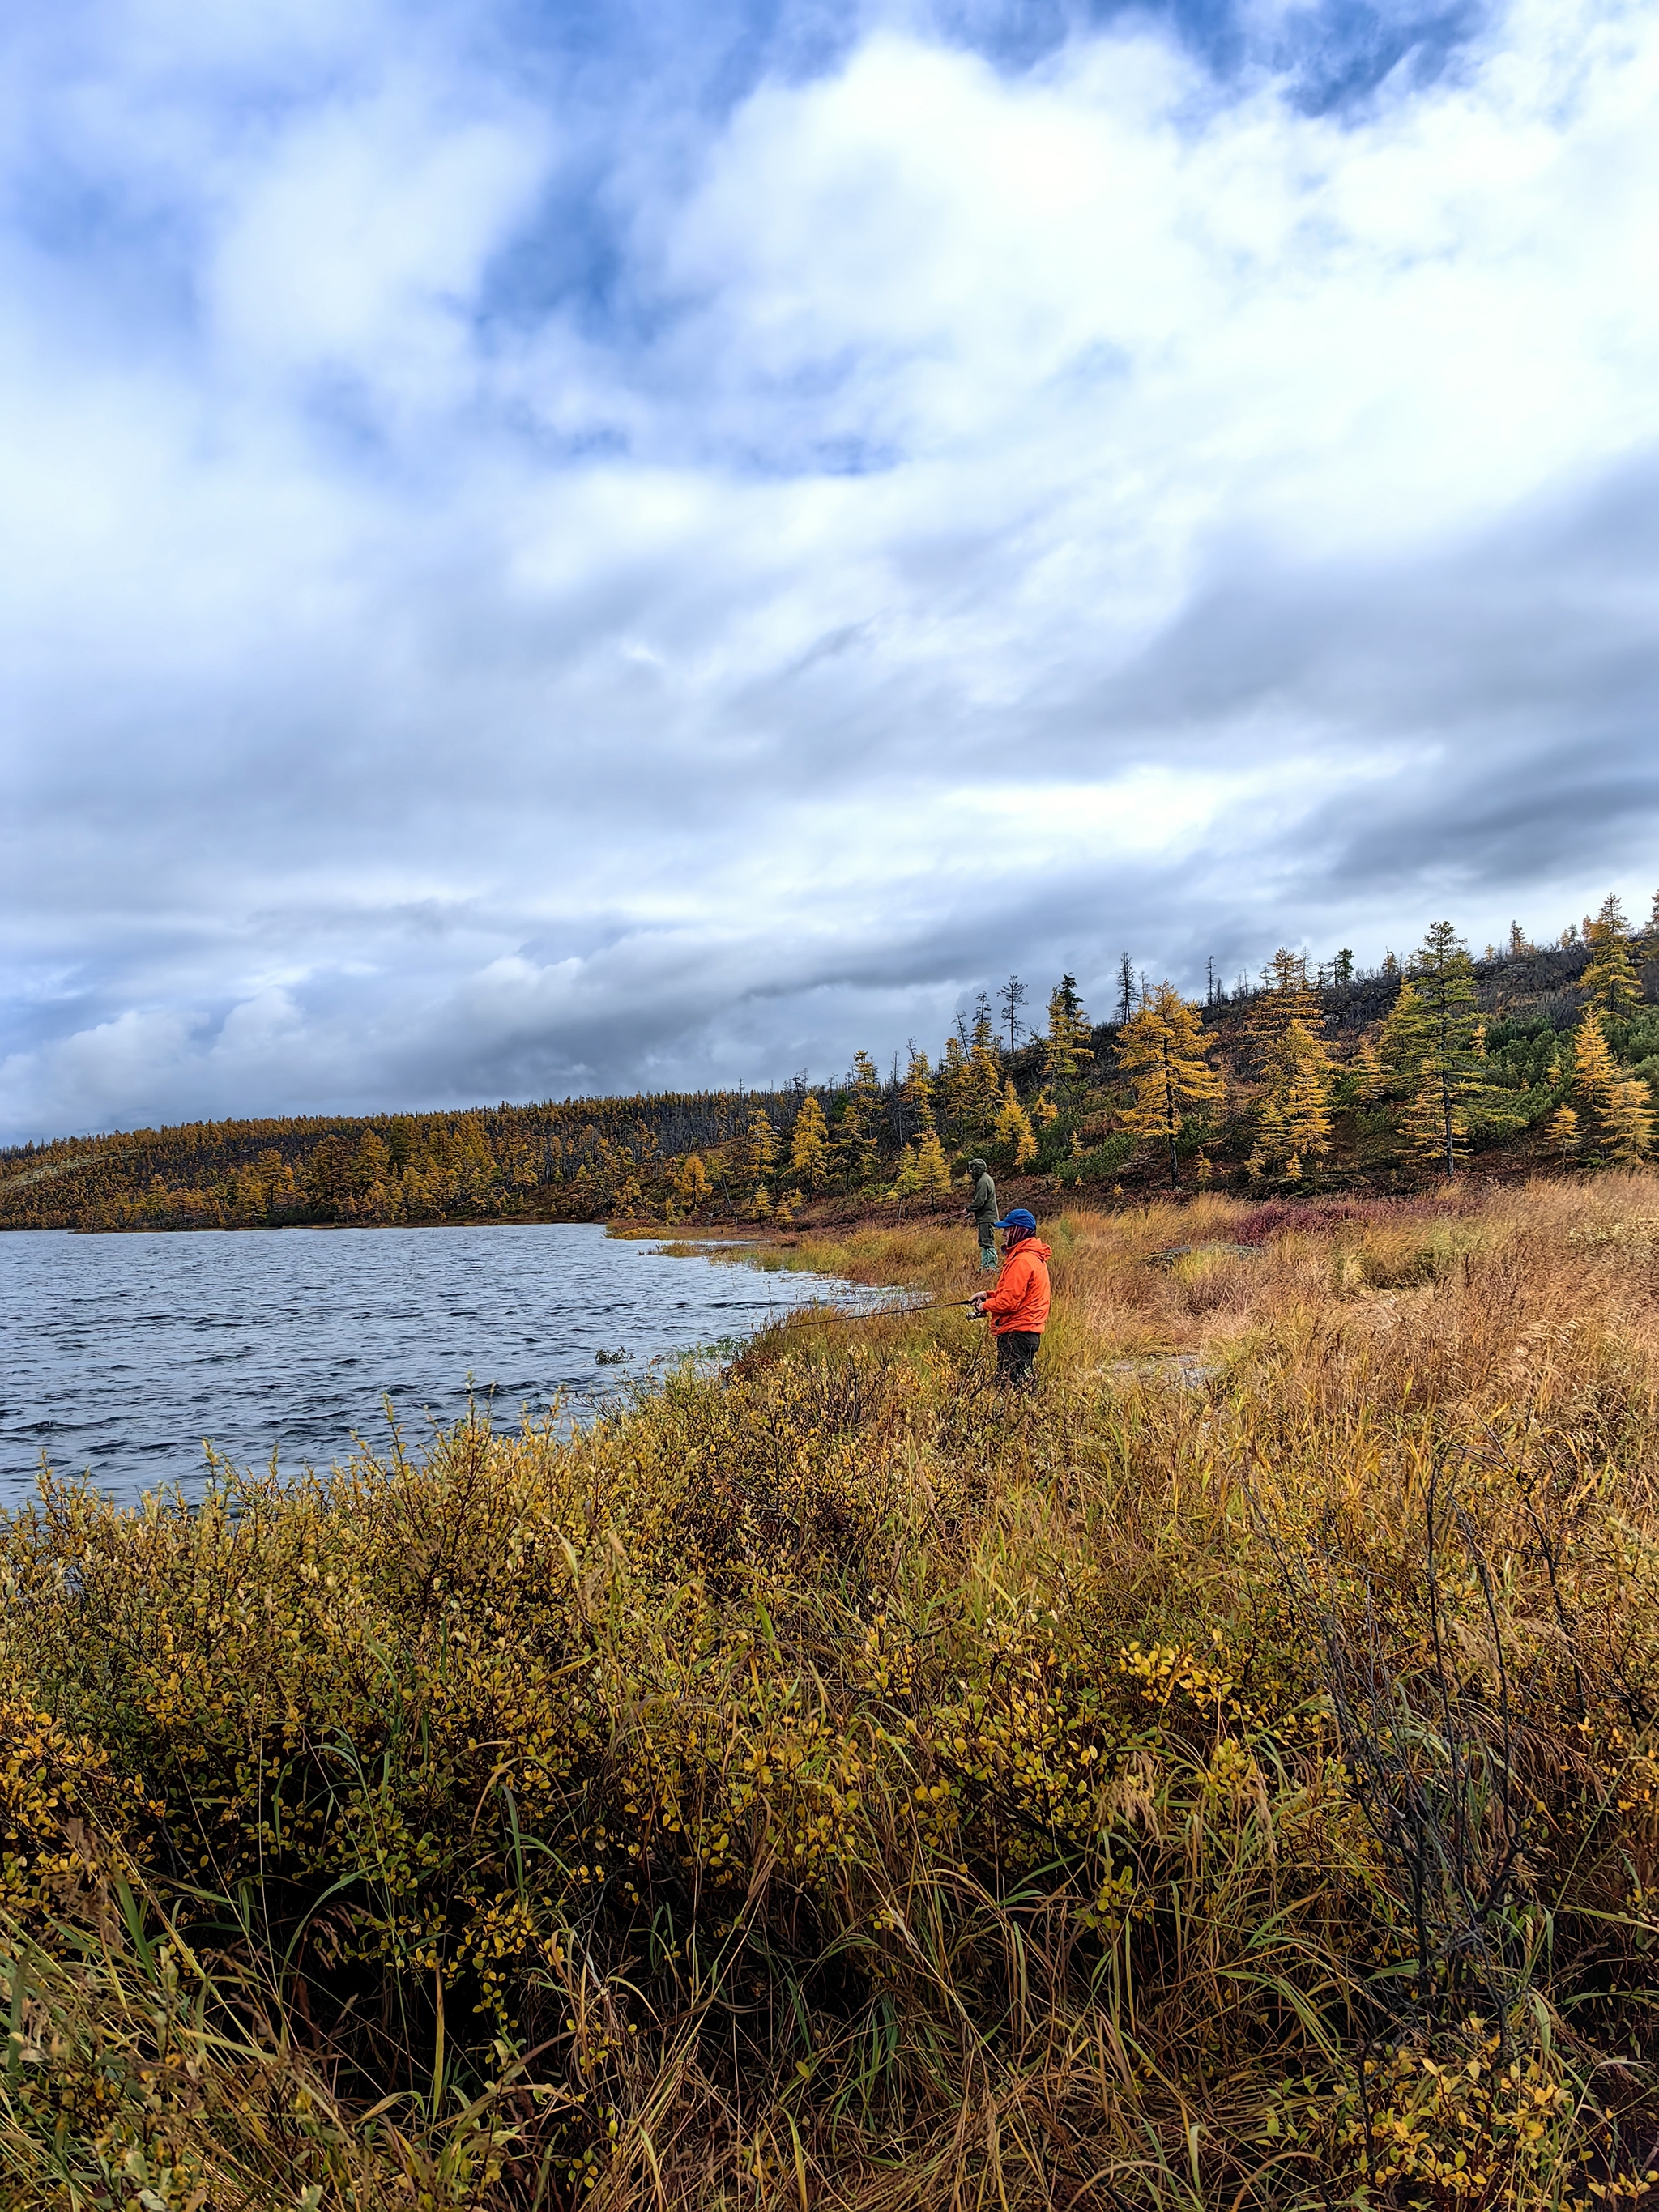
x=1226, y=1779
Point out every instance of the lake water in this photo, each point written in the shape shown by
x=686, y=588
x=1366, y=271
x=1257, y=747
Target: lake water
x=119, y=1354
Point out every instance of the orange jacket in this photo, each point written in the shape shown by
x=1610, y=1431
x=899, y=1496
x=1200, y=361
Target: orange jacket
x=1019, y=1297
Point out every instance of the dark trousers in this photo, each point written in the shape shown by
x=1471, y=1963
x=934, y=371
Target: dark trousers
x=1016, y=1351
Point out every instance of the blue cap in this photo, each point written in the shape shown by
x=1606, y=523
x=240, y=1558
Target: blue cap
x=1018, y=1217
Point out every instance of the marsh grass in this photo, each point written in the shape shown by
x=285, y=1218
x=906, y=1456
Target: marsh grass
x=823, y=1783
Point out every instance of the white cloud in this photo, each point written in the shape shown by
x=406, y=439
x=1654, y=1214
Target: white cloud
x=497, y=590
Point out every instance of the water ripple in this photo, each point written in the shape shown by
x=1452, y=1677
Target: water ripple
x=118, y=1355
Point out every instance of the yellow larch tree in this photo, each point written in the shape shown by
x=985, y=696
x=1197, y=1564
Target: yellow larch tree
x=952, y=1086
x=691, y=1184
x=1627, y=1121
x=932, y=1166
x=855, y=1141
x=1595, y=1070
x=1562, y=1131
x=907, y=1181
x=984, y=1069
x=1013, y=1128
x=1284, y=1030
x=1307, y=1107
x=1066, y=1046
x=1286, y=996
x=1366, y=1069
x=1610, y=982
x=809, y=1148
x=1163, y=1051
x=762, y=1145
x=1620, y=1105
x=917, y=1089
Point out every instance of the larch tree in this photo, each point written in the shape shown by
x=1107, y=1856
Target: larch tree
x=1627, y=1121
x=1595, y=1070
x=1013, y=1128
x=1620, y=1105
x=917, y=1091
x=1307, y=1109
x=809, y=1145
x=691, y=1184
x=1562, y=1132
x=1012, y=999
x=855, y=1144
x=1285, y=1032
x=762, y=1145
x=907, y=1181
x=1367, y=1072
x=932, y=1166
x=1163, y=1051
x=1066, y=1046
x=985, y=1070
x=1610, y=982
x=1285, y=996
x=953, y=1085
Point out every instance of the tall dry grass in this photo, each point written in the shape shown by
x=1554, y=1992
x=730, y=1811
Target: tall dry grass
x=1225, y=1779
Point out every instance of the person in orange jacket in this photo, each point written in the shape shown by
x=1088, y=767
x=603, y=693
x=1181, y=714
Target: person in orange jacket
x=1017, y=1303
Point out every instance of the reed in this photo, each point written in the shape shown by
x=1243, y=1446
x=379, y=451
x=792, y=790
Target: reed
x=1225, y=1779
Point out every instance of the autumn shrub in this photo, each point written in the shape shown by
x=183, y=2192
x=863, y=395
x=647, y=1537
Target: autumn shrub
x=828, y=1783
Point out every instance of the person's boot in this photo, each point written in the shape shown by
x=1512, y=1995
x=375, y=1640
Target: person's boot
x=987, y=1257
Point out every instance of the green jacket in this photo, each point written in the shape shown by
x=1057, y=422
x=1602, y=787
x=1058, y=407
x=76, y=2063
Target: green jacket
x=983, y=1203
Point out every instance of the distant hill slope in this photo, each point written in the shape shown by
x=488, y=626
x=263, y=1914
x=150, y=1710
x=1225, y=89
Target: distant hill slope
x=692, y=1156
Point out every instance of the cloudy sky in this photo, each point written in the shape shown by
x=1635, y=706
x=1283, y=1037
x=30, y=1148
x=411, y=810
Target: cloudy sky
x=553, y=548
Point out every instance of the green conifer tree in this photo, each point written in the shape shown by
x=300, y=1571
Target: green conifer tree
x=1433, y=1126
x=1403, y=1045
x=1444, y=978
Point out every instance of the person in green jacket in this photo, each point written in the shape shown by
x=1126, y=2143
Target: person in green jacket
x=982, y=1205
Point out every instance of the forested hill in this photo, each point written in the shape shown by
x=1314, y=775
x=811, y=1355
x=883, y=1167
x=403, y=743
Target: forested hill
x=1309, y=1078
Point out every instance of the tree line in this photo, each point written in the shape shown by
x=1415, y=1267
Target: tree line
x=1311, y=1072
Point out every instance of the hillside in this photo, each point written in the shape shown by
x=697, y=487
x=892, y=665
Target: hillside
x=1047, y=1120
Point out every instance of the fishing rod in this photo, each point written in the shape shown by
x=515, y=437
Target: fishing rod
x=877, y=1313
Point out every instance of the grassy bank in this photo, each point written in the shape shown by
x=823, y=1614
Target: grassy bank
x=1225, y=1780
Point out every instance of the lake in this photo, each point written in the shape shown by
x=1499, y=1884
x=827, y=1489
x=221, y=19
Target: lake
x=119, y=1354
